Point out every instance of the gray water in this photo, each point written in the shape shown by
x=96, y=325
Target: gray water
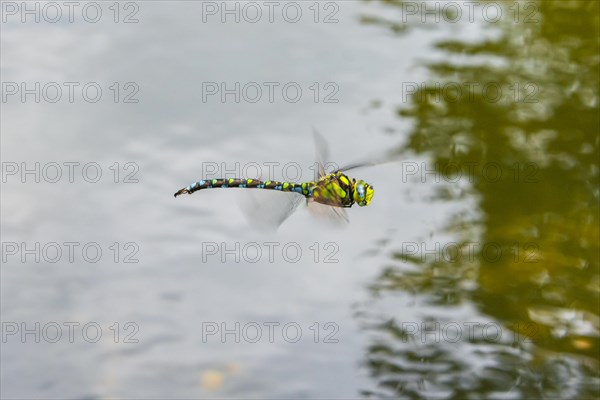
x=166, y=288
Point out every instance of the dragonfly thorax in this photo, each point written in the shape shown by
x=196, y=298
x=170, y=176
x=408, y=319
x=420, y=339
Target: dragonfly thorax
x=339, y=190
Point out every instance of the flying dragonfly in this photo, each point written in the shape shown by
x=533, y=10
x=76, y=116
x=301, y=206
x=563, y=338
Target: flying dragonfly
x=336, y=190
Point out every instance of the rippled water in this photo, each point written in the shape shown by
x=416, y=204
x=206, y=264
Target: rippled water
x=474, y=273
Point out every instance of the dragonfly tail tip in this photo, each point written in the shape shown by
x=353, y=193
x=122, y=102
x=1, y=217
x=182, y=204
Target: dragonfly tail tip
x=182, y=191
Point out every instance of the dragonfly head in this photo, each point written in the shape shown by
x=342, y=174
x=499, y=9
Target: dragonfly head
x=363, y=193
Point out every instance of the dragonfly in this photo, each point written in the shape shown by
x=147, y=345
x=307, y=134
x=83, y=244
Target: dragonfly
x=336, y=191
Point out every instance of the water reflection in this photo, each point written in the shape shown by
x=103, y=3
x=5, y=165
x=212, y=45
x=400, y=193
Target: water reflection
x=531, y=157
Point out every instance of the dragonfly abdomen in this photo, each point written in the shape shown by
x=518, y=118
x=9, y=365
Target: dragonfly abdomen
x=301, y=188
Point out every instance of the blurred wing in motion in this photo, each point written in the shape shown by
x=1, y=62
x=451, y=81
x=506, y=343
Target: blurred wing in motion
x=321, y=153
x=371, y=163
x=336, y=216
x=267, y=211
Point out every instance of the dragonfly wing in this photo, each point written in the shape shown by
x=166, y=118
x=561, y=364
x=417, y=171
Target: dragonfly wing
x=321, y=152
x=322, y=155
x=268, y=210
x=369, y=163
x=333, y=215
x=359, y=164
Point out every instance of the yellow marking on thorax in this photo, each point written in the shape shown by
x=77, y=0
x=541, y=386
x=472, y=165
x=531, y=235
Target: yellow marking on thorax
x=339, y=191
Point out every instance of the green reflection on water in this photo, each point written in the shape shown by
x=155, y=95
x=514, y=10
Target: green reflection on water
x=533, y=155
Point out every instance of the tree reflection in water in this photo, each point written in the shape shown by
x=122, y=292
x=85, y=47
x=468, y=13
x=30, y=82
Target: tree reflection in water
x=537, y=220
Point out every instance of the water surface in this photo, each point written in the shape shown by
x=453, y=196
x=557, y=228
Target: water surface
x=513, y=314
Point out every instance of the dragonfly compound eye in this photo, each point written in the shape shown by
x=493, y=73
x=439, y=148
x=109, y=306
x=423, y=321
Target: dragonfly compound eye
x=362, y=193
